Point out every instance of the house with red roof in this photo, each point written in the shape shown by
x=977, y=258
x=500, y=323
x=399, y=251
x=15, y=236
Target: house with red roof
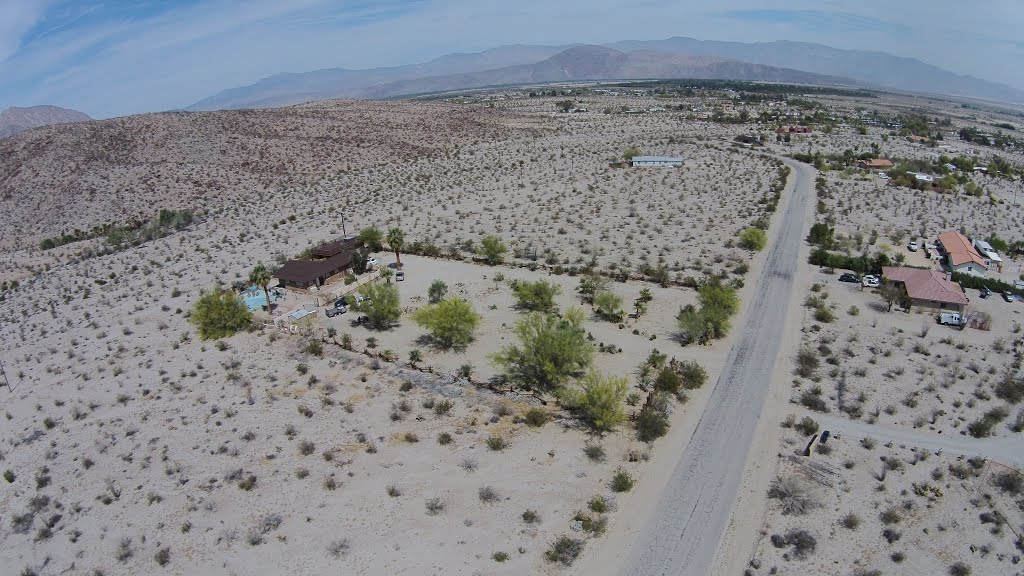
x=961, y=255
x=926, y=288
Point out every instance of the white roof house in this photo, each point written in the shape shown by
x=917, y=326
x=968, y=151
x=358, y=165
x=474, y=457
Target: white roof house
x=986, y=250
x=673, y=161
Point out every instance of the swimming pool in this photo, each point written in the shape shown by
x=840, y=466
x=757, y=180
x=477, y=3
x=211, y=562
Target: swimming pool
x=255, y=299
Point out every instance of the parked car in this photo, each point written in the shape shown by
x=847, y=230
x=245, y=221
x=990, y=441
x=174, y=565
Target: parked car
x=871, y=281
x=334, y=311
x=371, y=262
x=849, y=278
x=984, y=292
x=1009, y=297
x=340, y=303
x=399, y=276
x=912, y=246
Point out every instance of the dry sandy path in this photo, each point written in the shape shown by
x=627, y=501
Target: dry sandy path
x=692, y=512
x=1006, y=450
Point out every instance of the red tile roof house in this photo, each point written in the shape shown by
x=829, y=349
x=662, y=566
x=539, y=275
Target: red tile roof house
x=927, y=289
x=961, y=256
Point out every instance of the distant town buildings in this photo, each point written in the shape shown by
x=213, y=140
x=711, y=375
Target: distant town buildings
x=672, y=161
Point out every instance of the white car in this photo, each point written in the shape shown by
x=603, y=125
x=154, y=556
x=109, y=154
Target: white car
x=371, y=262
x=912, y=246
x=870, y=281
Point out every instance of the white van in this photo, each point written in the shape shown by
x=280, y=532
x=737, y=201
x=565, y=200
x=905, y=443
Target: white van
x=951, y=318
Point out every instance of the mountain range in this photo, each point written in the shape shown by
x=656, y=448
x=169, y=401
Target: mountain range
x=677, y=57
x=15, y=119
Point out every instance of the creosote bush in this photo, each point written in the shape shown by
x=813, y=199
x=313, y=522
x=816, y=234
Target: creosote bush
x=564, y=550
x=621, y=481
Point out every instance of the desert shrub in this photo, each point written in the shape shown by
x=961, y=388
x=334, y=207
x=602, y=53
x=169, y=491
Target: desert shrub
x=538, y=296
x=451, y=322
x=807, y=426
x=959, y=569
x=162, y=556
x=443, y=407
x=124, y=550
x=531, y=517
x=500, y=556
x=1010, y=389
x=219, y=314
x=599, y=400
x=437, y=291
x=595, y=452
x=668, y=380
x=315, y=348
x=381, y=305
x=693, y=374
x=891, y=535
x=824, y=314
x=248, y=482
x=608, y=305
x=982, y=427
x=488, y=494
x=493, y=250
x=850, y=521
x=590, y=286
x=651, y=424
x=306, y=447
x=434, y=506
x=564, y=550
x=1010, y=481
x=444, y=438
x=753, y=239
x=807, y=362
x=497, y=443
x=536, y=417
x=598, y=504
x=794, y=495
x=890, y=516
x=338, y=548
x=802, y=542
x=621, y=481
x=813, y=401
x=594, y=526
x=9, y=476
x=550, y=350
x=718, y=303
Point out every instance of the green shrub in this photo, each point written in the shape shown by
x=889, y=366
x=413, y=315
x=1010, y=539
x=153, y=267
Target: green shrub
x=497, y=443
x=451, y=322
x=753, y=239
x=536, y=296
x=651, y=424
x=599, y=400
x=621, y=481
x=550, y=350
x=219, y=314
x=536, y=417
x=381, y=305
x=808, y=426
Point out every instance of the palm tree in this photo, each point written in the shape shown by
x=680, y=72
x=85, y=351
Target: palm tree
x=396, y=239
x=260, y=276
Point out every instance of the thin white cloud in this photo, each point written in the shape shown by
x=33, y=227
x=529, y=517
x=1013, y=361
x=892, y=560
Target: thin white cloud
x=17, y=17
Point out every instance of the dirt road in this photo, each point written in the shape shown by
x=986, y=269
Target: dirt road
x=1003, y=449
x=683, y=533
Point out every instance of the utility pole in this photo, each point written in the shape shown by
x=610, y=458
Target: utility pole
x=4, y=373
x=344, y=231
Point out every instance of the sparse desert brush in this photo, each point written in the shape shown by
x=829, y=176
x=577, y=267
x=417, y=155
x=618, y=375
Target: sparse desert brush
x=793, y=494
x=536, y=417
x=488, y=494
x=497, y=443
x=595, y=452
x=338, y=548
x=564, y=550
x=621, y=481
x=444, y=438
x=434, y=506
x=531, y=517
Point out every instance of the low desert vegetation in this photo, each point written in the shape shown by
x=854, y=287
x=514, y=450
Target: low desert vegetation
x=219, y=314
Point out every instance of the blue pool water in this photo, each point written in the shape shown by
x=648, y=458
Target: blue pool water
x=255, y=299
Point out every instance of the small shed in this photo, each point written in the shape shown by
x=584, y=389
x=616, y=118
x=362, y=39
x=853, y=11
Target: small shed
x=672, y=161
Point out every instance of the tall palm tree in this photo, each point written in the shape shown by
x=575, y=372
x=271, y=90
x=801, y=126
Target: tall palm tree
x=396, y=239
x=260, y=276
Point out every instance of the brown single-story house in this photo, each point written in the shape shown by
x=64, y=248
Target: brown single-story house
x=328, y=259
x=927, y=288
x=875, y=164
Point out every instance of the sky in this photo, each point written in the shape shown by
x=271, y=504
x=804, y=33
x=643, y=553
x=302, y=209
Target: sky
x=116, y=57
